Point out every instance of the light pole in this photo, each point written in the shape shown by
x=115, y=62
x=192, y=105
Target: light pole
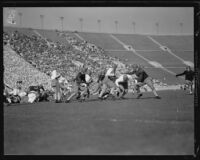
x=81, y=23
x=42, y=21
x=20, y=18
x=99, y=24
x=157, y=28
x=181, y=27
x=116, y=25
x=133, y=23
x=62, y=18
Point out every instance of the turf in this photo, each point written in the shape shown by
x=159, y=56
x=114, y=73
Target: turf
x=145, y=126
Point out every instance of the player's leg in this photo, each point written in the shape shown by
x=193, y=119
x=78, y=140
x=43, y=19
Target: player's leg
x=189, y=84
x=136, y=89
x=103, y=90
x=76, y=92
x=125, y=86
x=149, y=82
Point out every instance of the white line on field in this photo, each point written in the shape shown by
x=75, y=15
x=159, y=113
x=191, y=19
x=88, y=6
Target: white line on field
x=135, y=52
x=79, y=36
x=147, y=121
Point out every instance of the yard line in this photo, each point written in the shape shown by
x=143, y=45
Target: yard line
x=147, y=60
x=151, y=121
x=79, y=36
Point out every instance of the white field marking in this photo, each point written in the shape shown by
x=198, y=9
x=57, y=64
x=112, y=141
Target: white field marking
x=170, y=52
x=135, y=52
x=79, y=36
x=148, y=121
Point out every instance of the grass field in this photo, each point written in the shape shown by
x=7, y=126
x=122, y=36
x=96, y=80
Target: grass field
x=145, y=126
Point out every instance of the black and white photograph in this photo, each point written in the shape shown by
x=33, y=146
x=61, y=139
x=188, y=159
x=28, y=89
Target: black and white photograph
x=98, y=80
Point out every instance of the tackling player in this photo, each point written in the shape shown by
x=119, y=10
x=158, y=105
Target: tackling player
x=142, y=79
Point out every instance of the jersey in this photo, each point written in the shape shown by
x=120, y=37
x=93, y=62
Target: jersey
x=189, y=75
x=80, y=78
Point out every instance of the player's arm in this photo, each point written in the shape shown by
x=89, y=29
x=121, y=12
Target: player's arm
x=181, y=74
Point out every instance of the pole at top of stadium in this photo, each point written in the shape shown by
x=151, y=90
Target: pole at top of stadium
x=181, y=27
x=157, y=28
x=133, y=23
x=81, y=23
x=99, y=23
x=62, y=18
x=42, y=21
x=116, y=25
x=20, y=18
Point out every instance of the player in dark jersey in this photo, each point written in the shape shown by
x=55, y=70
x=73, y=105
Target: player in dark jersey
x=189, y=77
x=80, y=80
x=99, y=81
x=142, y=79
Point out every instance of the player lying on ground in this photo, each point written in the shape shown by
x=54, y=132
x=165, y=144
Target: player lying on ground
x=189, y=77
x=37, y=94
x=142, y=79
x=15, y=95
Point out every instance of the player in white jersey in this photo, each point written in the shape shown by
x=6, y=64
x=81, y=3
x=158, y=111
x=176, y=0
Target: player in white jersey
x=122, y=84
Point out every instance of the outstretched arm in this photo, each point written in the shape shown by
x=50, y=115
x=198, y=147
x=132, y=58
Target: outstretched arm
x=180, y=74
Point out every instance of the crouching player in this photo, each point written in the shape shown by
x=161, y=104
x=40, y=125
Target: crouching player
x=84, y=90
x=80, y=81
x=143, y=79
x=99, y=81
x=122, y=84
x=108, y=83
